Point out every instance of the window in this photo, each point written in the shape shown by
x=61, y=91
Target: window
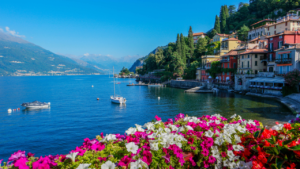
x=280, y=69
x=287, y=69
x=248, y=56
x=248, y=64
x=227, y=73
x=255, y=55
x=286, y=24
x=242, y=64
x=242, y=56
x=270, y=69
x=234, y=65
x=274, y=32
x=280, y=37
x=271, y=47
x=265, y=63
x=227, y=65
x=280, y=44
x=255, y=71
x=271, y=38
x=255, y=63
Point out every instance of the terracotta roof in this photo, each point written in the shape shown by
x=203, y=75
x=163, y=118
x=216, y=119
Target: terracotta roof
x=200, y=33
x=223, y=35
x=231, y=53
x=232, y=39
x=254, y=40
x=254, y=51
x=284, y=33
x=262, y=21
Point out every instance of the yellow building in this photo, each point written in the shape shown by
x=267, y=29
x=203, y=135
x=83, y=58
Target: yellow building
x=205, y=59
x=228, y=45
x=219, y=37
x=252, y=61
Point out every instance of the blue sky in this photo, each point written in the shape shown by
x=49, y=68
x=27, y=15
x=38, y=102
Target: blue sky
x=116, y=28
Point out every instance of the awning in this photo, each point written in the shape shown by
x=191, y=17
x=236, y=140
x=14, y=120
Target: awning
x=268, y=80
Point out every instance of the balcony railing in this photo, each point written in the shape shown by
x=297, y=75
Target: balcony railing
x=284, y=60
x=224, y=60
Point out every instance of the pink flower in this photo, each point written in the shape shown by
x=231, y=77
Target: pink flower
x=229, y=146
x=192, y=161
x=147, y=157
x=157, y=118
x=167, y=158
x=193, y=148
x=21, y=163
x=15, y=156
x=191, y=140
x=211, y=159
x=125, y=161
x=180, y=115
x=102, y=159
x=80, y=151
x=42, y=163
x=30, y=155
x=205, y=152
x=223, y=154
x=98, y=147
x=205, y=163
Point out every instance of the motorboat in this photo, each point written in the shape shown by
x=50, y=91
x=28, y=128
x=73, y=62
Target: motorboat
x=115, y=98
x=36, y=105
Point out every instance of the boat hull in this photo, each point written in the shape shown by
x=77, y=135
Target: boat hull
x=37, y=107
x=118, y=100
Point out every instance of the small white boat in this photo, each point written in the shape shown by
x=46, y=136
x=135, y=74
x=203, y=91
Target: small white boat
x=36, y=105
x=155, y=85
x=115, y=98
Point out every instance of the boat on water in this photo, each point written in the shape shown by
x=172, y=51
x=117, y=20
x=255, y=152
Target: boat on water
x=115, y=98
x=155, y=85
x=36, y=105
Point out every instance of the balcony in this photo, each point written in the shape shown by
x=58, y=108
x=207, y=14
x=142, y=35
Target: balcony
x=283, y=60
x=224, y=60
x=263, y=58
x=225, y=48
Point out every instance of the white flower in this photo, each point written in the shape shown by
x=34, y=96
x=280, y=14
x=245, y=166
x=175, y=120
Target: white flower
x=242, y=164
x=130, y=131
x=153, y=135
x=233, y=116
x=230, y=154
x=131, y=147
x=72, y=156
x=149, y=126
x=154, y=146
x=241, y=129
x=83, y=166
x=108, y=165
x=249, y=164
x=237, y=139
x=167, y=130
x=219, y=141
x=109, y=137
x=173, y=127
x=251, y=122
x=238, y=148
x=277, y=127
x=138, y=164
x=209, y=133
x=139, y=128
x=231, y=165
x=226, y=163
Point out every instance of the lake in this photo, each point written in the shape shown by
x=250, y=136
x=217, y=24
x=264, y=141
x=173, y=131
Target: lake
x=76, y=113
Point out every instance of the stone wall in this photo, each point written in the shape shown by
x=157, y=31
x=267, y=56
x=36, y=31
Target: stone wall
x=184, y=84
x=242, y=81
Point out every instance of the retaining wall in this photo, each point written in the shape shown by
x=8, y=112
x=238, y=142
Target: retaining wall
x=184, y=84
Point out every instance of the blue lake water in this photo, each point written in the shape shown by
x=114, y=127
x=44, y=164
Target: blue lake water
x=75, y=113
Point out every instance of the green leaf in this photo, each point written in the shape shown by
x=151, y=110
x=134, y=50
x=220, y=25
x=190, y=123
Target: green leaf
x=295, y=147
x=279, y=163
x=256, y=134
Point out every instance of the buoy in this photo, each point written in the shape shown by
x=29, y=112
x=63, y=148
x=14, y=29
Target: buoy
x=14, y=109
x=9, y=110
x=92, y=85
x=49, y=103
x=18, y=108
x=97, y=98
x=158, y=98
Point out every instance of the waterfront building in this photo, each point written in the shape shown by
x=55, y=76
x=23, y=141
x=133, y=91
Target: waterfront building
x=290, y=22
x=205, y=59
x=287, y=59
x=253, y=61
x=258, y=29
x=228, y=44
x=219, y=37
x=196, y=36
x=228, y=61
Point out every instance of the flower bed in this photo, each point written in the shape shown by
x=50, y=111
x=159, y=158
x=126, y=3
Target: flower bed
x=186, y=142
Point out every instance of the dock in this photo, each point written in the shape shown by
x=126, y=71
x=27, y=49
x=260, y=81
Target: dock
x=198, y=90
x=137, y=84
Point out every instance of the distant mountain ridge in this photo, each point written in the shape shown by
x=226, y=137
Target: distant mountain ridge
x=20, y=57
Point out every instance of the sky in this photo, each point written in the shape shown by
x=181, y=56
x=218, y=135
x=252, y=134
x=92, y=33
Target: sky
x=112, y=27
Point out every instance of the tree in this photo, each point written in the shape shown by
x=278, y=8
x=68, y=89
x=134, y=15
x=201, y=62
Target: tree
x=243, y=33
x=201, y=45
x=178, y=45
x=190, y=72
x=124, y=71
x=231, y=10
x=223, y=19
x=214, y=69
x=183, y=51
x=241, y=4
x=217, y=24
x=226, y=11
x=191, y=45
x=176, y=65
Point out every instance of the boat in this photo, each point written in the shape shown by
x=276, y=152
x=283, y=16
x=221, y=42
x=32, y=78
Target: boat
x=115, y=98
x=36, y=105
x=155, y=85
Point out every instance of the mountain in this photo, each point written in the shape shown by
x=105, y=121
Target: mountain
x=20, y=57
x=105, y=62
x=140, y=61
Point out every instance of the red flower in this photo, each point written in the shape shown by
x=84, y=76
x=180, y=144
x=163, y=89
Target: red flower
x=292, y=166
x=266, y=134
x=266, y=143
x=262, y=158
x=287, y=126
x=279, y=142
x=292, y=144
x=257, y=165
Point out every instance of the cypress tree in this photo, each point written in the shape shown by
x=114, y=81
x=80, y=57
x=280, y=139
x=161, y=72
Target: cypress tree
x=226, y=11
x=178, y=45
x=191, y=44
x=183, y=54
x=217, y=24
x=223, y=19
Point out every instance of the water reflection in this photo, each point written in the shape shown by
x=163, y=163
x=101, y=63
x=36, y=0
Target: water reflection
x=32, y=111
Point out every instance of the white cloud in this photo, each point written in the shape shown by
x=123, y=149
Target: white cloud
x=86, y=54
x=14, y=33
x=1, y=29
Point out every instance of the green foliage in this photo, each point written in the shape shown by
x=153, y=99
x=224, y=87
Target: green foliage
x=190, y=72
x=223, y=19
x=183, y=48
x=191, y=44
x=201, y=45
x=293, y=78
x=178, y=45
x=214, y=69
x=231, y=10
x=243, y=33
x=125, y=71
x=217, y=28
